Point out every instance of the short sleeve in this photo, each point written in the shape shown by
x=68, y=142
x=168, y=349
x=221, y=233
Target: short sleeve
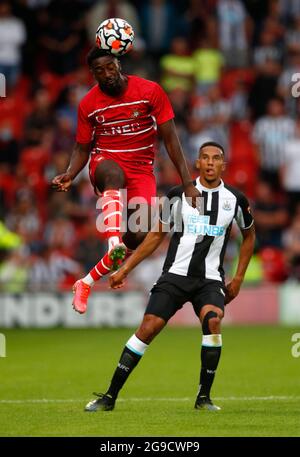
x=160, y=104
x=84, y=132
x=243, y=214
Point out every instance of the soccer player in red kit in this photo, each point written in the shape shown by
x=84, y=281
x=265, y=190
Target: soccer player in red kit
x=118, y=123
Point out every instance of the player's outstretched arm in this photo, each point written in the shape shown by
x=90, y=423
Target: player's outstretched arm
x=246, y=252
x=78, y=160
x=146, y=248
x=168, y=133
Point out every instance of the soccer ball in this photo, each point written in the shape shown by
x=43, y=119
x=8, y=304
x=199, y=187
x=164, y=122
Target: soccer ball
x=115, y=35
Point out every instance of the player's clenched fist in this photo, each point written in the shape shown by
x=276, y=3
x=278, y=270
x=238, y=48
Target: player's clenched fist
x=116, y=280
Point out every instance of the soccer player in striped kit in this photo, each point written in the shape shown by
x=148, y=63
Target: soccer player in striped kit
x=118, y=123
x=193, y=271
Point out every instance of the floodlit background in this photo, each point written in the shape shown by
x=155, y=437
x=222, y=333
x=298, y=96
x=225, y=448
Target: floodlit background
x=229, y=68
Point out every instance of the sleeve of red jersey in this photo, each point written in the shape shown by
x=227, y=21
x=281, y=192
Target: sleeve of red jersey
x=161, y=107
x=84, y=132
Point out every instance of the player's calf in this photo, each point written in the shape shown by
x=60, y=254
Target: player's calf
x=130, y=357
x=210, y=356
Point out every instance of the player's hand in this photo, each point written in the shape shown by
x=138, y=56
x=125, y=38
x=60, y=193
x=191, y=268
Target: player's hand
x=62, y=183
x=232, y=290
x=193, y=196
x=116, y=280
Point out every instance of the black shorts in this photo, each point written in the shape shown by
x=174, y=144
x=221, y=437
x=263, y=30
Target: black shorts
x=171, y=291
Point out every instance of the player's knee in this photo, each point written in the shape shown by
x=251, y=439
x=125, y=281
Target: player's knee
x=211, y=323
x=149, y=328
x=114, y=179
x=133, y=240
x=109, y=176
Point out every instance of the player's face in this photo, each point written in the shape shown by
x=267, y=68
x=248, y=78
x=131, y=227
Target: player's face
x=211, y=164
x=106, y=71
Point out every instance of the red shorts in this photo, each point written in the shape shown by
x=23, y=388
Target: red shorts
x=139, y=178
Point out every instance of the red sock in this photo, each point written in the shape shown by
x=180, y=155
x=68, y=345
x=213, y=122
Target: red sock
x=102, y=268
x=112, y=206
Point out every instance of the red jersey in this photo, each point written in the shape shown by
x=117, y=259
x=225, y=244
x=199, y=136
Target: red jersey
x=125, y=125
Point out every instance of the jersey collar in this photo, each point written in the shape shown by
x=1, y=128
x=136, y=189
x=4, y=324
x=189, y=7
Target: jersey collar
x=206, y=189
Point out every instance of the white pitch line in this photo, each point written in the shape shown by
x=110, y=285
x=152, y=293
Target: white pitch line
x=140, y=399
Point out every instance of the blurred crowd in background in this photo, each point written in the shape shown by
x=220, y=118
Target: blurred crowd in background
x=227, y=66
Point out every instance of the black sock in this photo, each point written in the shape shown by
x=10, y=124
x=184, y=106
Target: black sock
x=127, y=362
x=209, y=361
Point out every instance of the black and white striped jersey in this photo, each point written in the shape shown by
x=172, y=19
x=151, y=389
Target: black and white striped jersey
x=198, y=243
x=271, y=135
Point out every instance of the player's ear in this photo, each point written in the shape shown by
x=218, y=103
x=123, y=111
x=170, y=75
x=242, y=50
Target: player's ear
x=224, y=165
x=119, y=65
x=197, y=164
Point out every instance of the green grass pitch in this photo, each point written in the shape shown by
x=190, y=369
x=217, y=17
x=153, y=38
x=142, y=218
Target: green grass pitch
x=48, y=377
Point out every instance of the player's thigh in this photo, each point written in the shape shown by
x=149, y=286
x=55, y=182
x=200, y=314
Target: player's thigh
x=165, y=299
x=209, y=297
x=109, y=175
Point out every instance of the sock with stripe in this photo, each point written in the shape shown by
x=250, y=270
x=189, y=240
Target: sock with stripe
x=210, y=355
x=112, y=207
x=101, y=269
x=130, y=357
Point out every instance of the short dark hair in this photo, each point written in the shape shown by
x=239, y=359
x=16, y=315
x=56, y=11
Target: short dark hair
x=95, y=53
x=212, y=143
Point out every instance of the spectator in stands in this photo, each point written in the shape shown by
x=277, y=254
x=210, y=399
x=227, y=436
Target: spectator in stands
x=270, y=216
x=270, y=133
x=24, y=218
x=50, y=268
x=200, y=21
x=267, y=50
x=159, y=20
x=286, y=81
x=139, y=62
x=239, y=101
x=232, y=25
x=42, y=115
x=208, y=64
x=12, y=37
x=68, y=106
x=60, y=233
x=291, y=243
x=63, y=137
x=274, y=23
x=9, y=147
x=292, y=38
x=209, y=120
x=264, y=87
x=61, y=40
x=289, y=9
x=290, y=169
x=178, y=66
x=14, y=272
